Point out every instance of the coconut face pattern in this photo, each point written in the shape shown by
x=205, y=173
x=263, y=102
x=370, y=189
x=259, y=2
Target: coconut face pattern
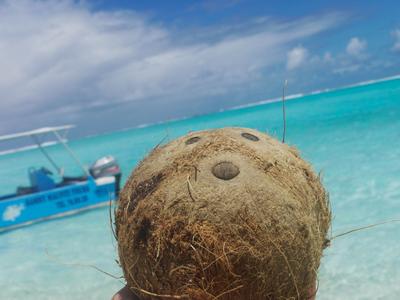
x=229, y=213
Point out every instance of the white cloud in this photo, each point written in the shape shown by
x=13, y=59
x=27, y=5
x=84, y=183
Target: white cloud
x=354, y=59
x=59, y=59
x=396, y=36
x=296, y=57
x=346, y=68
x=356, y=47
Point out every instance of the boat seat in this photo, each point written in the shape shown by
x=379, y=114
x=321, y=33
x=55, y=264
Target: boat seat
x=40, y=179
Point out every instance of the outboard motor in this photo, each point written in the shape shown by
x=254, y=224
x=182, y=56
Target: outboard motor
x=107, y=166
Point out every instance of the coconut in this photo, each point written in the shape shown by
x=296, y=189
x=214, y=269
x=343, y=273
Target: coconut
x=228, y=213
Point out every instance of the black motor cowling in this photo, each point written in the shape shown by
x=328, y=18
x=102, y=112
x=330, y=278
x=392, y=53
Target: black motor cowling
x=107, y=166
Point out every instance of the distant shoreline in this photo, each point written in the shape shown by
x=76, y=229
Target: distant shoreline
x=252, y=104
x=238, y=107
x=317, y=92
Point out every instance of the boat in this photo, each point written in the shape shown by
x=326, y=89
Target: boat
x=48, y=198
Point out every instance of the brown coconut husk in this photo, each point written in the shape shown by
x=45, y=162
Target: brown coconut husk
x=222, y=214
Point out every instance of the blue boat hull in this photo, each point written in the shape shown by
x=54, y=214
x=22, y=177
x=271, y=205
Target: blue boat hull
x=58, y=202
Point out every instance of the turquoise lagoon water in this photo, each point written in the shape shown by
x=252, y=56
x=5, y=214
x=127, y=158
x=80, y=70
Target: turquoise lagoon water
x=352, y=135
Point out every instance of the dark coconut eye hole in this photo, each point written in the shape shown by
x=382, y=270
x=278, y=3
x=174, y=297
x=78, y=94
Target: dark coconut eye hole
x=225, y=170
x=250, y=136
x=192, y=140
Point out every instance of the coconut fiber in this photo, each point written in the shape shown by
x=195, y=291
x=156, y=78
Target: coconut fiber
x=222, y=214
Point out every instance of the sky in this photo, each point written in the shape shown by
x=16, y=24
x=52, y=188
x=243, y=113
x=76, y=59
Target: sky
x=108, y=65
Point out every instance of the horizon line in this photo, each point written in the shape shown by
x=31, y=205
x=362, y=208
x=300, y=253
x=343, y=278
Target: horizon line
x=238, y=107
x=251, y=104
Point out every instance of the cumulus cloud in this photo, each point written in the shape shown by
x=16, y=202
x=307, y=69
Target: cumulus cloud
x=296, y=57
x=60, y=61
x=396, y=36
x=356, y=47
x=354, y=59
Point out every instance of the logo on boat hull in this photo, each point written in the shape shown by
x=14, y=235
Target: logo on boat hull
x=12, y=212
